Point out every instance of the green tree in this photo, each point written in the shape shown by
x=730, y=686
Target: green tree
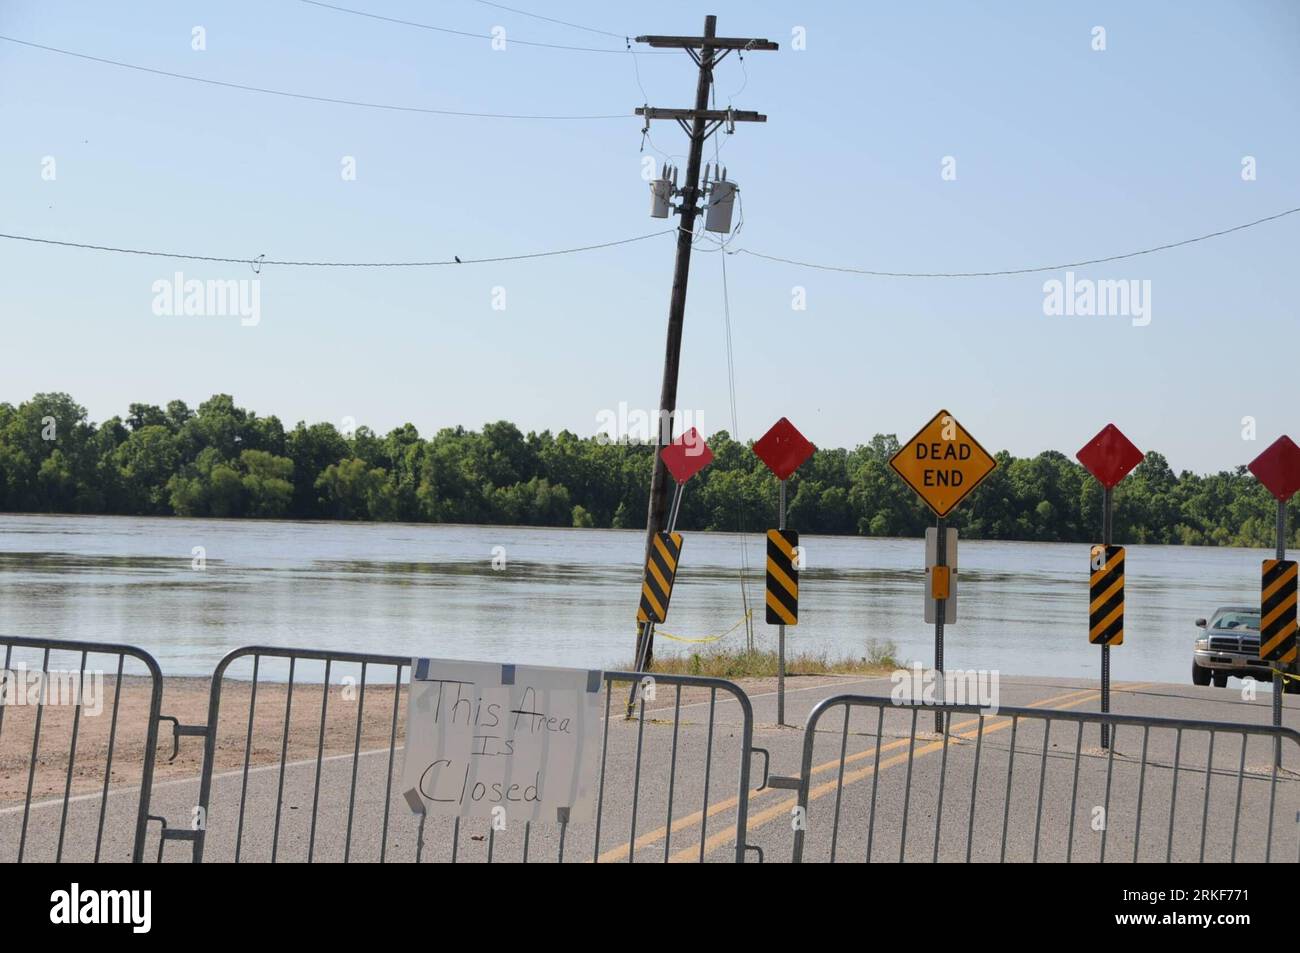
x=312, y=449
x=223, y=460
x=145, y=462
x=267, y=483
x=349, y=490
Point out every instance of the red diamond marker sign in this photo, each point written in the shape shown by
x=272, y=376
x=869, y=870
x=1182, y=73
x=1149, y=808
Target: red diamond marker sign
x=783, y=448
x=1109, y=456
x=1278, y=468
x=687, y=455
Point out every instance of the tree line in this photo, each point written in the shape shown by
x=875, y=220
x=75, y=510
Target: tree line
x=221, y=460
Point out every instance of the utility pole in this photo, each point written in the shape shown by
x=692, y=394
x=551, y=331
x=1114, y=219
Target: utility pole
x=699, y=123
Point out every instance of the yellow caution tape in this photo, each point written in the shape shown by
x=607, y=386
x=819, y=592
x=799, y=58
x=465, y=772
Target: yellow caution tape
x=712, y=638
x=1286, y=676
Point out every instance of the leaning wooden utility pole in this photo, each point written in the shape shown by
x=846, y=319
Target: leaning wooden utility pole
x=699, y=123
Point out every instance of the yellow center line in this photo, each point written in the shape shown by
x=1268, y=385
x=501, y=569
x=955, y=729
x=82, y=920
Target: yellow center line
x=786, y=806
x=690, y=820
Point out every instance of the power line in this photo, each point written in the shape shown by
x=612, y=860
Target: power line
x=742, y=515
x=1015, y=271
x=292, y=95
x=465, y=33
x=261, y=260
x=646, y=138
x=538, y=16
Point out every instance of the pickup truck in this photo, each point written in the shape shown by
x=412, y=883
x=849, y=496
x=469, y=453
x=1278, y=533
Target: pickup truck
x=1230, y=646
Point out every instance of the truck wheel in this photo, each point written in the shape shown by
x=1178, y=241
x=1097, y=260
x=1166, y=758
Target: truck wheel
x=1220, y=679
x=1292, y=687
x=1200, y=676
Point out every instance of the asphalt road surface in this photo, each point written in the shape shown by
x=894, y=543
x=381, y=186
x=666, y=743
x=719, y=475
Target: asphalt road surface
x=882, y=784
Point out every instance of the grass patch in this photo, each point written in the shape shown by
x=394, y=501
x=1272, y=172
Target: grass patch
x=883, y=653
x=732, y=664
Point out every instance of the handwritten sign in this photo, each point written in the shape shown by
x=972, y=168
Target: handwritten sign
x=507, y=742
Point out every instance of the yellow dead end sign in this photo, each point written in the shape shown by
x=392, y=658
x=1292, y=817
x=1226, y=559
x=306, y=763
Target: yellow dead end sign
x=943, y=463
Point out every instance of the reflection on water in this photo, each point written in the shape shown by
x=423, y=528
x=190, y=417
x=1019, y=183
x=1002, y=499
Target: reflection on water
x=568, y=597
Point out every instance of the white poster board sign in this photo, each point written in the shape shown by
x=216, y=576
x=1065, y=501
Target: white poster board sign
x=523, y=739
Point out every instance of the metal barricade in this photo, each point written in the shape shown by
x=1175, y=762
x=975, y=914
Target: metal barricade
x=691, y=786
x=54, y=696
x=304, y=766
x=300, y=749
x=286, y=749
x=1033, y=784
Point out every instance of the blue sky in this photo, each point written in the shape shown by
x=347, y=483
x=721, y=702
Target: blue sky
x=1062, y=153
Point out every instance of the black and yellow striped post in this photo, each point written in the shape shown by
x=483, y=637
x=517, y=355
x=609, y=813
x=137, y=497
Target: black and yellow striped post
x=1277, y=628
x=780, y=623
x=660, y=570
x=1106, y=596
x=1277, y=611
x=783, y=449
x=1106, y=600
x=656, y=589
x=1109, y=456
x=782, y=577
x=1277, y=620
x=1278, y=471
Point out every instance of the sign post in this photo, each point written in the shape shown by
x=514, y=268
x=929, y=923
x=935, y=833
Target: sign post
x=780, y=629
x=942, y=464
x=684, y=457
x=1109, y=456
x=1278, y=468
x=941, y=581
x=783, y=449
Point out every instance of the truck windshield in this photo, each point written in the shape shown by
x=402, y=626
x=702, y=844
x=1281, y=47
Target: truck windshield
x=1237, y=620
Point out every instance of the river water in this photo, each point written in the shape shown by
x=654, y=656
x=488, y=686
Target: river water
x=568, y=596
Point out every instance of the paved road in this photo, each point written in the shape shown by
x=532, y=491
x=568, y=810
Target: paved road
x=991, y=789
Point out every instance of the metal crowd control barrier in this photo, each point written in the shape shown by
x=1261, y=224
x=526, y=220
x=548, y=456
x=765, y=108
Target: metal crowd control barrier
x=243, y=805
x=1021, y=784
x=48, y=713
x=324, y=789
x=696, y=782
x=299, y=761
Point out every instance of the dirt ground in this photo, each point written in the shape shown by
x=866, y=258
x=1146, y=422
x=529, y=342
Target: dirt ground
x=187, y=700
